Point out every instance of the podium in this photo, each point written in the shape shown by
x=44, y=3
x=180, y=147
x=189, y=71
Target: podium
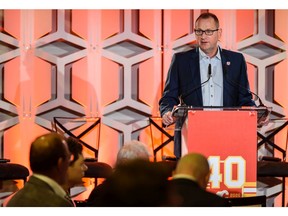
x=228, y=138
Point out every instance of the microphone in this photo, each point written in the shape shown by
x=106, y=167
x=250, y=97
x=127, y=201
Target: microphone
x=209, y=75
x=178, y=110
x=232, y=82
x=262, y=114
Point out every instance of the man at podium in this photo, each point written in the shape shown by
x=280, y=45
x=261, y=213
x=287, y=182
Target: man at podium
x=205, y=76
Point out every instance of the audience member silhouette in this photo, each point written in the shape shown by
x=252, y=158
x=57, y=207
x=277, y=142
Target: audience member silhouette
x=131, y=150
x=49, y=160
x=190, y=180
x=77, y=167
x=136, y=183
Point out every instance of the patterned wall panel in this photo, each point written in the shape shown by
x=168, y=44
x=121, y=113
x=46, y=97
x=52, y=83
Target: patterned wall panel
x=113, y=64
x=132, y=50
x=281, y=77
x=10, y=81
x=265, y=51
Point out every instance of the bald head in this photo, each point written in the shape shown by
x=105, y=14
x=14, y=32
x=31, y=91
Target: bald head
x=195, y=165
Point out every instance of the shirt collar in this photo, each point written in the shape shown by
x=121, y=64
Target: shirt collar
x=203, y=55
x=185, y=176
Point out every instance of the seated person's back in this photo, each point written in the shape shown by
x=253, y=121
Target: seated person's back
x=131, y=150
x=190, y=180
x=49, y=161
x=136, y=183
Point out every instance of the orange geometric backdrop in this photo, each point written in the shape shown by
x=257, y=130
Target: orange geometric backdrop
x=113, y=64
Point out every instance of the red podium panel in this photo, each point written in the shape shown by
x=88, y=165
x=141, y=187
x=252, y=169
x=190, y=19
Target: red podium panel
x=229, y=140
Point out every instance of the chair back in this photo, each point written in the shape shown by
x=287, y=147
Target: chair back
x=13, y=171
x=253, y=201
x=269, y=166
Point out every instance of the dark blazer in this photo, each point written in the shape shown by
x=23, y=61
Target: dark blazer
x=184, y=79
x=95, y=197
x=37, y=193
x=192, y=195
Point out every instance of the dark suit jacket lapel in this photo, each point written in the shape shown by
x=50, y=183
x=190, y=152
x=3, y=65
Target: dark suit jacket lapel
x=226, y=86
x=195, y=70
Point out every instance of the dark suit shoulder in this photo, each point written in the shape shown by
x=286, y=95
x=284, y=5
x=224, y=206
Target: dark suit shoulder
x=231, y=53
x=187, y=52
x=186, y=55
x=193, y=195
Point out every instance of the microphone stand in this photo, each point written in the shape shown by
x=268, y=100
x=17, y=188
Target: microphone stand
x=262, y=111
x=180, y=111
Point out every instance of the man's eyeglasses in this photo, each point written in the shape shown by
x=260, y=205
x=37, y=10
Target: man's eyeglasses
x=209, y=32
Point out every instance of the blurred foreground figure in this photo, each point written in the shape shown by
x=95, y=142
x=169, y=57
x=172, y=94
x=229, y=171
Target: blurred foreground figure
x=49, y=161
x=77, y=167
x=190, y=180
x=136, y=183
x=131, y=150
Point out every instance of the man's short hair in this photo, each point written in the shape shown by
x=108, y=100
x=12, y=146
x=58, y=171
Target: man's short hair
x=75, y=148
x=45, y=152
x=208, y=15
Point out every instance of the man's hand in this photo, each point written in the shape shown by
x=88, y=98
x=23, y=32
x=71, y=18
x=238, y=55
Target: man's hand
x=167, y=118
x=263, y=122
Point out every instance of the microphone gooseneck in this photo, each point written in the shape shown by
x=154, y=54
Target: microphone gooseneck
x=183, y=96
x=232, y=82
x=262, y=114
x=178, y=110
